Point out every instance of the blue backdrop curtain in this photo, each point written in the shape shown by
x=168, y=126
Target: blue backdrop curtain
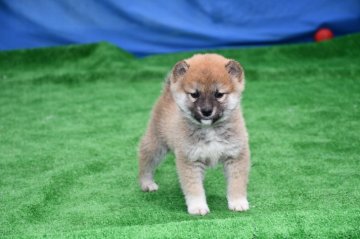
x=162, y=26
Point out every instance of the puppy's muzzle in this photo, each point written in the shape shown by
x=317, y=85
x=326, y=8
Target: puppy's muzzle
x=206, y=112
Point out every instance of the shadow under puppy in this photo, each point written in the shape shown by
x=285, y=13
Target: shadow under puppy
x=198, y=117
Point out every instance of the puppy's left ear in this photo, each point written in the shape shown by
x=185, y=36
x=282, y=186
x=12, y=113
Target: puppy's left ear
x=235, y=70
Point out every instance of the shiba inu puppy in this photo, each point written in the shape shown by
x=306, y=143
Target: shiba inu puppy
x=198, y=117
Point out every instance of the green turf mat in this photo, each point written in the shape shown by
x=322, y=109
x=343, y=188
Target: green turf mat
x=71, y=118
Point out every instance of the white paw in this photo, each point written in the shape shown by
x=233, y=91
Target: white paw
x=199, y=210
x=197, y=206
x=239, y=205
x=149, y=186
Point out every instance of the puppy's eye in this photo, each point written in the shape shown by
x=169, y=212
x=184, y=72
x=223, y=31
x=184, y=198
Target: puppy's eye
x=195, y=95
x=218, y=95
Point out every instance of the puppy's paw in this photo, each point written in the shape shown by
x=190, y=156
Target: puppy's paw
x=198, y=210
x=239, y=205
x=149, y=186
x=198, y=207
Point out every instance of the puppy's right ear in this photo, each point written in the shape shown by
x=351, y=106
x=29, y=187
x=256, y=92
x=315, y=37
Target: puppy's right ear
x=179, y=70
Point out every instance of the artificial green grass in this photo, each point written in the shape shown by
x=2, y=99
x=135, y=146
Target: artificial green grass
x=71, y=118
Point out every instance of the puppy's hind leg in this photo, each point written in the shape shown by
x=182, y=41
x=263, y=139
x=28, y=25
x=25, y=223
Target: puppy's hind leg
x=151, y=153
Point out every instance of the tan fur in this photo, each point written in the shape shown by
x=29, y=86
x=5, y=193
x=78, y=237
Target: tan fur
x=195, y=145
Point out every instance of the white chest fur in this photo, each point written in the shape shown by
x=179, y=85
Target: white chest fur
x=209, y=146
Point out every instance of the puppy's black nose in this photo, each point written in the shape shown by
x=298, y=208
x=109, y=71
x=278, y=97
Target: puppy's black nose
x=206, y=112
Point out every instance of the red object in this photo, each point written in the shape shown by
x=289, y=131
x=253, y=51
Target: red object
x=323, y=34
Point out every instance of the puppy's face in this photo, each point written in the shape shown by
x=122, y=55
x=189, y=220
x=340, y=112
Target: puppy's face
x=207, y=87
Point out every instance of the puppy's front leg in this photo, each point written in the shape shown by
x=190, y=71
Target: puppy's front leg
x=191, y=175
x=236, y=172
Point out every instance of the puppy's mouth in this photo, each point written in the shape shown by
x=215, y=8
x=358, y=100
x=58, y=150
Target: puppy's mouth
x=207, y=120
